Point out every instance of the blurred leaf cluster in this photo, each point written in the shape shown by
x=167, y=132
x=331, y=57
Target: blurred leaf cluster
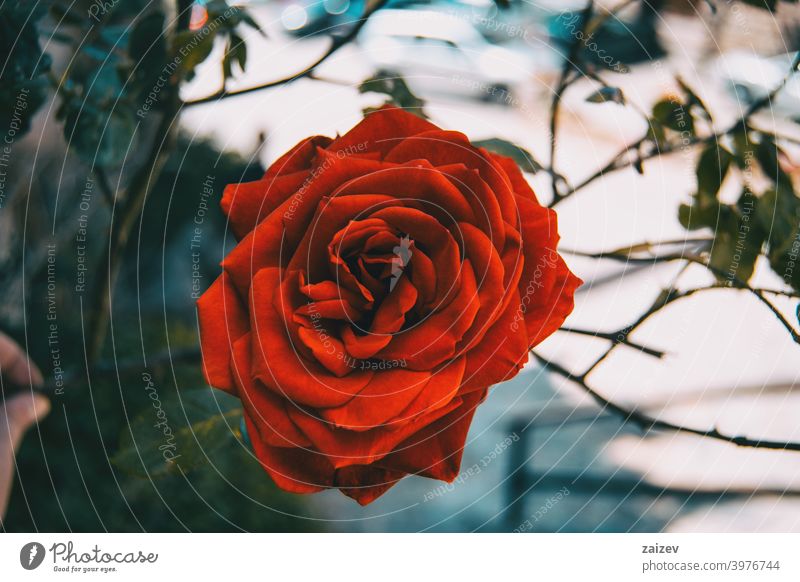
x=765, y=217
x=23, y=81
x=125, y=62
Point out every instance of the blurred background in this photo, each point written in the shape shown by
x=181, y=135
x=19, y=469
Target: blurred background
x=541, y=455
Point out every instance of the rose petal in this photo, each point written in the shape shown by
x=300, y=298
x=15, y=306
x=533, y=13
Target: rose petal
x=277, y=363
x=435, y=240
x=332, y=216
x=436, y=450
x=502, y=352
x=325, y=290
x=442, y=387
x=294, y=470
x=519, y=184
x=417, y=182
x=300, y=157
x=328, y=351
x=263, y=407
x=248, y=203
x=223, y=320
x=347, y=447
x=381, y=130
x=386, y=396
x=366, y=483
x=432, y=341
x=547, y=286
x=483, y=201
x=443, y=148
x=274, y=240
x=489, y=272
x=389, y=318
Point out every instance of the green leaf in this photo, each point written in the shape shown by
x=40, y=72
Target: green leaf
x=227, y=61
x=768, y=154
x=712, y=168
x=778, y=214
x=699, y=215
x=177, y=434
x=148, y=51
x=192, y=48
x=738, y=240
x=656, y=133
x=743, y=148
x=637, y=163
x=607, y=95
x=393, y=85
x=67, y=16
x=520, y=155
x=245, y=17
x=692, y=100
x=23, y=84
x=239, y=50
x=146, y=35
x=673, y=115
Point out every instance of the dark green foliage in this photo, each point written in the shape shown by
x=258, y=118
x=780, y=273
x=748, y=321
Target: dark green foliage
x=128, y=66
x=23, y=84
x=757, y=223
x=779, y=215
x=177, y=435
x=672, y=114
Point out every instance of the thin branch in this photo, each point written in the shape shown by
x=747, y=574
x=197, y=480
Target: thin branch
x=770, y=97
x=336, y=44
x=140, y=186
x=570, y=62
x=132, y=203
x=625, y=252
x=667, y=297
x=616, y=337
x=622, y=159
x=647, y=422
x=778, y=292
x=733, y=281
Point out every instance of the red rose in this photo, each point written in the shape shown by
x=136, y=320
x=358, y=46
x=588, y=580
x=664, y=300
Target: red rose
x=383, y=281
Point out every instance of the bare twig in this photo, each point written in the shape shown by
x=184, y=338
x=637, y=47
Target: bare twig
x=767, y=99
x=336, y=44
x=570, y=62
x=647, y=422
x=631, y=154
x=616, y=337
